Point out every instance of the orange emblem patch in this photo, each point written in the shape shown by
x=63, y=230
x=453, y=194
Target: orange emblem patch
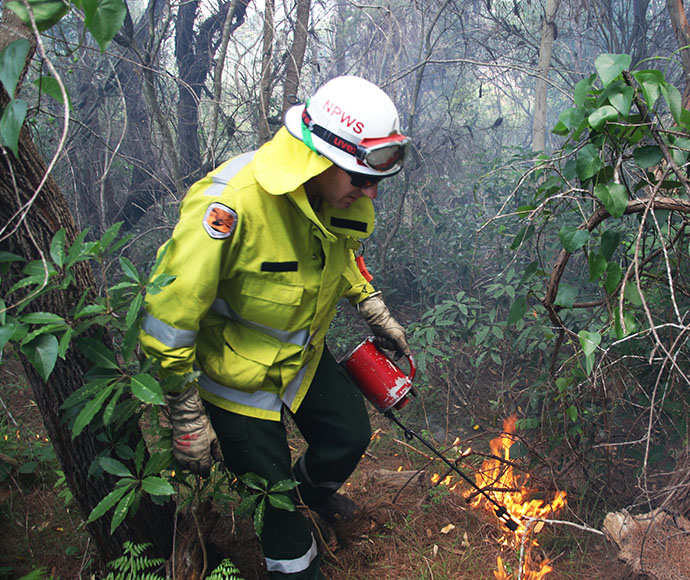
x=219, y=221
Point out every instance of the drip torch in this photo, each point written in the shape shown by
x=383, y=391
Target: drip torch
x=387, y=388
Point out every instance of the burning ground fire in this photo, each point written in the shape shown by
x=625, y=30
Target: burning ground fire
x=499, y=480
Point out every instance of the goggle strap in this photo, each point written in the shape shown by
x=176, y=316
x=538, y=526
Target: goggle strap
x=306, y=132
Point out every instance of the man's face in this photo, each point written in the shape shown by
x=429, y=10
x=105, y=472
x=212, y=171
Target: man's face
x=335, y=187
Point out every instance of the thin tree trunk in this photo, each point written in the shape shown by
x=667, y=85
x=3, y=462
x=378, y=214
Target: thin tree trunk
x=548, y=35
x=681, y=28
x=264, y=128
x=296, y=55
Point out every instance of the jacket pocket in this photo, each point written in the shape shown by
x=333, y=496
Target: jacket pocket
x=269, y=302
x=239, y=358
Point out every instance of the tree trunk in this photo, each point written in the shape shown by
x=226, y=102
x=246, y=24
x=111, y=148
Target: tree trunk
x=35, y=227
x=264, y=127
x=296, y=55
x=681, y=28
x=548, y=35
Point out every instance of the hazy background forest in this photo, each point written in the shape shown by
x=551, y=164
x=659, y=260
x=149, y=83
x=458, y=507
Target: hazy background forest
x=533, y=274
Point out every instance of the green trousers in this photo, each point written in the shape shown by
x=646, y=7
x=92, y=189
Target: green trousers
x=334, y=422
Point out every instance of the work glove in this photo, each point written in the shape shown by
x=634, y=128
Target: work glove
x=195, y=444
x=388, y=333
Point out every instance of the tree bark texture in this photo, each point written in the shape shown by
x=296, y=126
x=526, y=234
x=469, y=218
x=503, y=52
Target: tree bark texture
x=681, y=29
x=548, y=34
x=296, y=54
x=264, y=127
x=28, y=234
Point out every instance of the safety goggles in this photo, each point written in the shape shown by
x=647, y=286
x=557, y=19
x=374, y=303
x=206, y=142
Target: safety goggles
x=380, y=154
x=362, y=179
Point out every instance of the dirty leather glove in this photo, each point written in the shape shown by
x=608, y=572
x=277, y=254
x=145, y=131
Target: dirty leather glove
x=388, y=333
x=195, y=444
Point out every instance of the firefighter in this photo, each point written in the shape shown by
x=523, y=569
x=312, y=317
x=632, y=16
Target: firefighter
x=264, y=248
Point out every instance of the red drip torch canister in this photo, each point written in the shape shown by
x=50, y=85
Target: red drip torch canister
x=378, y=377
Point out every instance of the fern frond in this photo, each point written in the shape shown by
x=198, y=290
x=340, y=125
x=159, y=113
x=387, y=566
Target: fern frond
x=226, y=570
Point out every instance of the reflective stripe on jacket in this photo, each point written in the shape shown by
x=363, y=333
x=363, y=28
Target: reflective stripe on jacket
x=251, y=310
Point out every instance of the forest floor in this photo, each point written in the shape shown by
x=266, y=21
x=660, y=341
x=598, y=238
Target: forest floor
x=402, y=532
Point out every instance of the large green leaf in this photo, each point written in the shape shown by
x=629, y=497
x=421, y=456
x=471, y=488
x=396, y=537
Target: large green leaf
x=614, y=196
x=146, y=389
x=97, y=353
x=614, y=273
x=597, y=266
x=517, y=309
x=104, y=19
x=602, y=115
x=106, y=503
x=281, y=502
x=42, y=353
x=573, y=238
x=651, y=82
x=46, y=12
x=647, y=156
x=121, y=510
x=89, y=411
x=11, y=124
x=673, y=100
x=50, y=86
x=114, y=467
x=157, y=486
x=610, y=240
x=588, y=162
x=12, y=61
x=621, y=97
x=566, y=296
x=610, y=66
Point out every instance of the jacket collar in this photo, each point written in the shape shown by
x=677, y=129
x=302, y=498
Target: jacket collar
x=284, y=164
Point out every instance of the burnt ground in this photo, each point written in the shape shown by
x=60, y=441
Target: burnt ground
x=402, y=532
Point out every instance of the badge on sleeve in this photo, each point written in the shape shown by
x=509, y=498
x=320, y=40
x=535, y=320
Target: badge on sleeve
x=219, y=221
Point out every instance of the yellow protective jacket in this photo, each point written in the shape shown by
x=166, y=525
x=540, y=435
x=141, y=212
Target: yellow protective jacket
x=258, y=274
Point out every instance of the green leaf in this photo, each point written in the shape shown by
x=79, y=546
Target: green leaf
x=588, y=162
x=57, y=247
x=674, y=101
x=259, y=513
x=10, y=257
x=110, y=235
x=42, y=354
x=253, y=481
x=12, y=61
x=523, y=235
x=42, y=318
x=121, y=510
x=614, y=196
x=97, y=353
x=129, y=269
x=284, y=485
x=50, y=86
x=104, y=19
x=647, y=156
x=89, y=411
x=133, y=310
x=6, y=333
x=610, y=66
x=610, y=240
x=281, y=502
x=157, y=462
x=157, y=486
x=589, y=341
x=566, y=296
x=614, y=273
x=246, y=506
x=651, y=82
x=573, y=238
x=621, y=97
x=632, y=294
x=114, y=467
x=106, y=503
x=582, y=89
x=571, y=118
x=147, y=389
x=601, y=116
x=46, y=12
x=597, y=266
x=517, y=310
x=572, y=413
x=11, y=123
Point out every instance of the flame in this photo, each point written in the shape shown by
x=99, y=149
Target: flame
x=498, y=479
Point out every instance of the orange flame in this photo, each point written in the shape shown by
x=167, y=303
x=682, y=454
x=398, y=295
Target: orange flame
x=498, y=479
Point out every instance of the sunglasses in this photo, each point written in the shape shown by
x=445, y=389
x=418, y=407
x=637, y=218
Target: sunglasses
x=362, y=180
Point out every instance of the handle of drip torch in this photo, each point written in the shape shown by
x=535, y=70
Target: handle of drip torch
x=501, y=512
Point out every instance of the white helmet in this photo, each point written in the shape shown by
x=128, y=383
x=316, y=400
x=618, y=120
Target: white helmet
x=353, y=123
